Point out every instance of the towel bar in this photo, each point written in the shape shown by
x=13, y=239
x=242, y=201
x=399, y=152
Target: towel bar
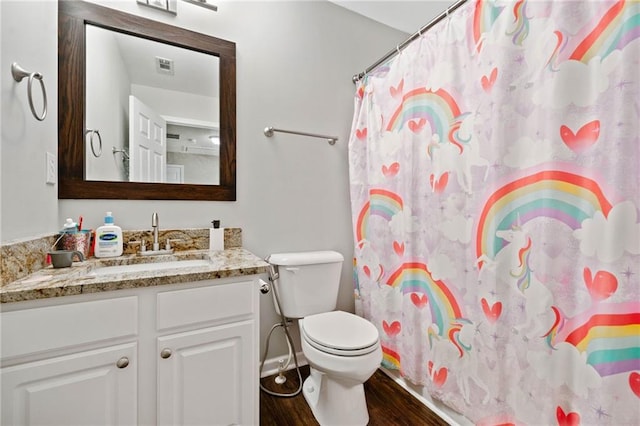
x=18, y=74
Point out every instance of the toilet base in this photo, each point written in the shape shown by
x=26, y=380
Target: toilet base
x=335, y=402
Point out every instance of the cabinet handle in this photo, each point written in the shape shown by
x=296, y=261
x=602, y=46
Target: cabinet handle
x=122, y=362
x=165, y=353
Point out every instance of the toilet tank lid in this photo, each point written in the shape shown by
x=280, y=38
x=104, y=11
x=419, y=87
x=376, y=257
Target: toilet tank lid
x=305, y=258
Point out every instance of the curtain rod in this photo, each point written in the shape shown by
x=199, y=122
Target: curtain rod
x=393, y=52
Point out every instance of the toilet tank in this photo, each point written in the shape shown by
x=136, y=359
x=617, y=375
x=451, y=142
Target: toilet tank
x=308, y=282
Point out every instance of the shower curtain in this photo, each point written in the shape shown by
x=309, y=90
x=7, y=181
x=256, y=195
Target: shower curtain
x=495, y=187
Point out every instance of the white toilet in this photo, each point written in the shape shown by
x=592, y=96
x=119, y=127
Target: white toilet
x=342, y=349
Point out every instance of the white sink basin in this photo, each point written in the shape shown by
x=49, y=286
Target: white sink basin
x=149, y=267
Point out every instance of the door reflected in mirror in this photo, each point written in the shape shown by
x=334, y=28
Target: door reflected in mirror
x=156, y=107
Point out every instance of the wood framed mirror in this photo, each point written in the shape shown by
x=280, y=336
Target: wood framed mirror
x=76, y=177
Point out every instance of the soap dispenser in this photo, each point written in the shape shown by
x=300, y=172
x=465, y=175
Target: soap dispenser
x=216, y=236
x=108, y=239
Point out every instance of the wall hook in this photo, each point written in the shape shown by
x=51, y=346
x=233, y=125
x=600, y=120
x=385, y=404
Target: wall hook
x=18, y=74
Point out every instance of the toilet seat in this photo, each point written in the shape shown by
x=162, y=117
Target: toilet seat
x=340, y=333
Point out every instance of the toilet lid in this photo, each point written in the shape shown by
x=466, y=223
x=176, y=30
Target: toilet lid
x=338, y=330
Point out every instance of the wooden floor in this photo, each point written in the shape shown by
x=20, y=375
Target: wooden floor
x=388, y=403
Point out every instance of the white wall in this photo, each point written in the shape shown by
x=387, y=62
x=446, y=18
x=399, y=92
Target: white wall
x=1, y=121
x=199, y=169
x=28, y=37
x=179, y=104
x=295, y=60
x=109, y=112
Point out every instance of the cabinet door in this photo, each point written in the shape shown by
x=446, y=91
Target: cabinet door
x=208, y=376
x=85, y=388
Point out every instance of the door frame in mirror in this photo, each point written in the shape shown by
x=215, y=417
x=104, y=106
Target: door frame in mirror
x=72, y=18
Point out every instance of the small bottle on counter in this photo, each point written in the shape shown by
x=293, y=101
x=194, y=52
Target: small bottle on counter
x=216, y=236
x=108, y=239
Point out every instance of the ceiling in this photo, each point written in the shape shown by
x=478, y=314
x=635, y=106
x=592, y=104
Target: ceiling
x=406, y=16
x=193, y=72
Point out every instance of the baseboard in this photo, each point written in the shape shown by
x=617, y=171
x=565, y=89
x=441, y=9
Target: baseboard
x=271, y=365
x=446, y=414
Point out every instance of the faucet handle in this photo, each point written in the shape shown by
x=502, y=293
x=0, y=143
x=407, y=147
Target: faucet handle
x=169, y=241
x=141, y=243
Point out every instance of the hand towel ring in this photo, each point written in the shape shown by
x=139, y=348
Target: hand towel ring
x=18, y=74
x=91, y=143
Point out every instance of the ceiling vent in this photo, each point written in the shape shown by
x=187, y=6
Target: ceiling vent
x=164, y=65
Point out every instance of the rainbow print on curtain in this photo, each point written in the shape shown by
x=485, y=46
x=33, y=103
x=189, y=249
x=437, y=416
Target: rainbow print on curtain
x=495, y=188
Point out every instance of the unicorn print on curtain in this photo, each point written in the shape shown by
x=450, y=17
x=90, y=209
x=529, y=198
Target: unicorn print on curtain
x=495, y=187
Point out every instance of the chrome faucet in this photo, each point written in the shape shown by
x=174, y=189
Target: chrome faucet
x=155, y=226
x=155, y=245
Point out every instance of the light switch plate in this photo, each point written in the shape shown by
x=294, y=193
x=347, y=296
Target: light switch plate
x=51, y=168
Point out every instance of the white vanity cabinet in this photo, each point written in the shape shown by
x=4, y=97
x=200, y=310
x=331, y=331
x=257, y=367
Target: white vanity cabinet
x=203, y=379
x=207, y=374
x=85, y=388
x=70, y=364
x=167, y=355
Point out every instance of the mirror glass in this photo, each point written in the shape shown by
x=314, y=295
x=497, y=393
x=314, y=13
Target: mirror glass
x=156, y=108
x=178, y=85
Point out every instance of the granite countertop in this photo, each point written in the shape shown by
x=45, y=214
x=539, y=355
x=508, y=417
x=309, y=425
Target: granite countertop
x=82, y=278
